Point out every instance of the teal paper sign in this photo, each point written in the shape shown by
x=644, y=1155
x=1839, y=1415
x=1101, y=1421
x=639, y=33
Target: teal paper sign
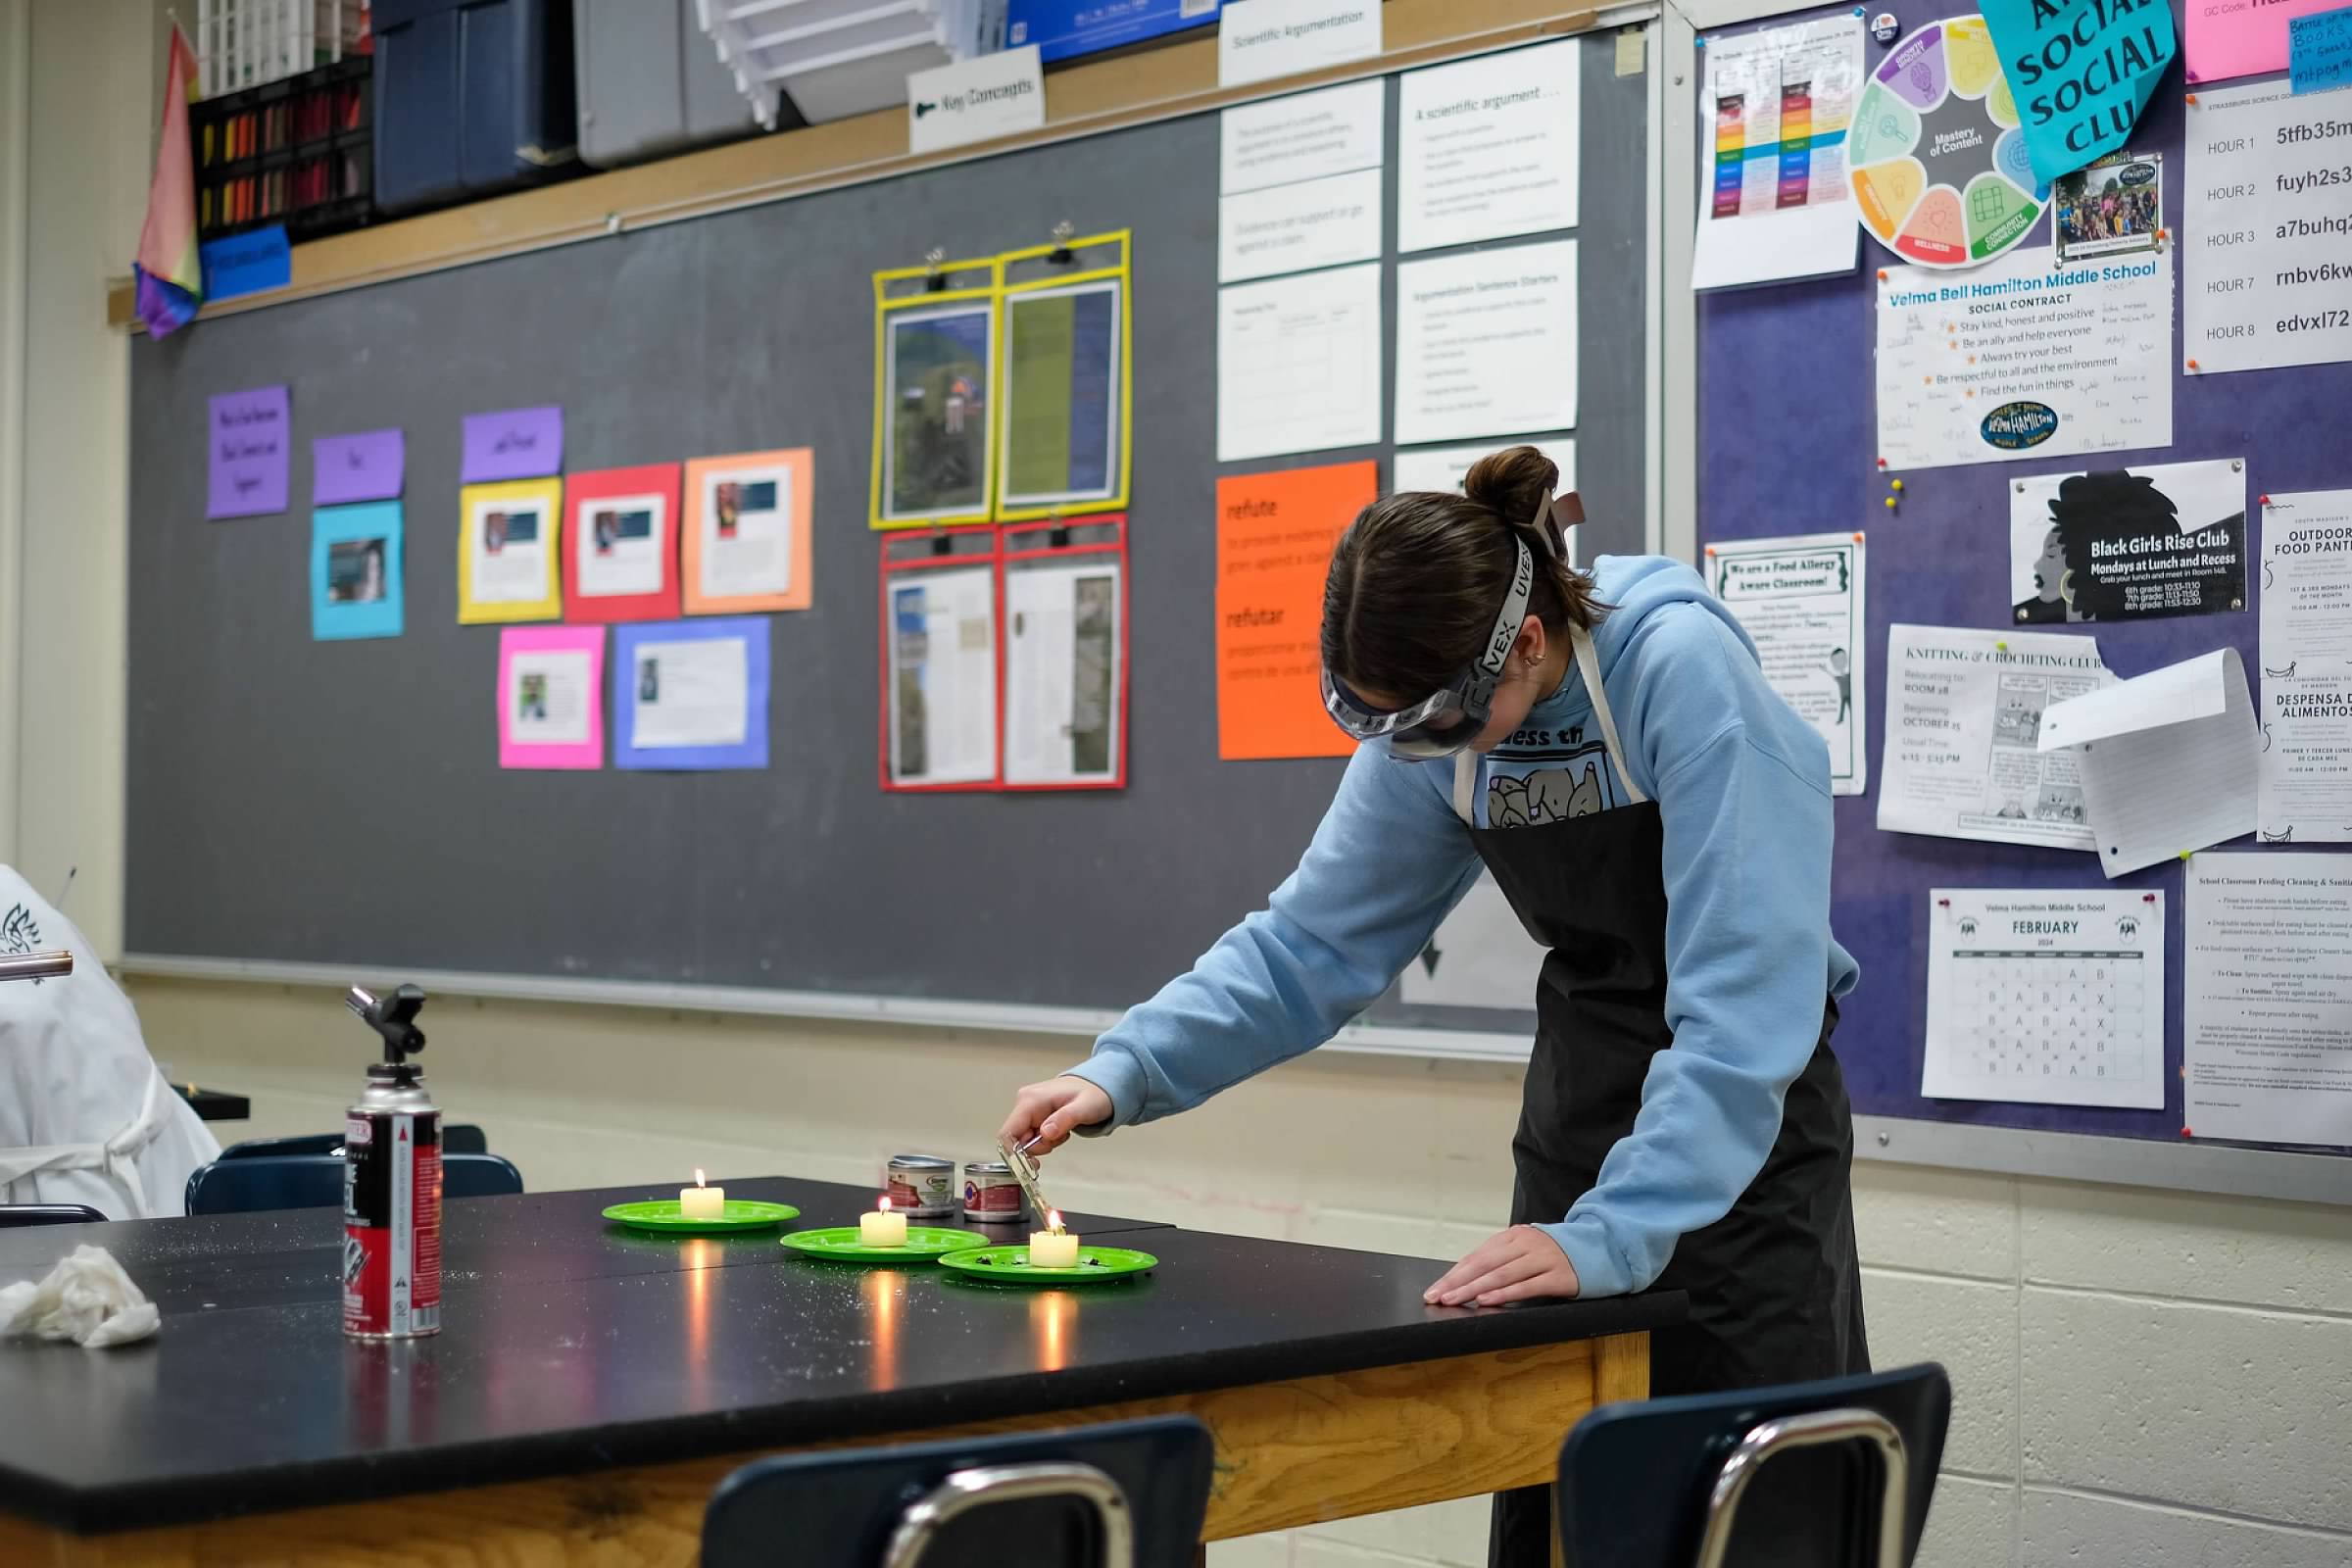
x=2081, y=70
x=2319, y=51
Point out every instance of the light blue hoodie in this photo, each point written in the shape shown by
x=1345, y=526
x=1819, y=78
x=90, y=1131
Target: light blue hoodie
x=1742, y=786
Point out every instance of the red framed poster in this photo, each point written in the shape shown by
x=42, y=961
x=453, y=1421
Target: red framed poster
x=1062, y=614
x=941, y=671
x=620, y=552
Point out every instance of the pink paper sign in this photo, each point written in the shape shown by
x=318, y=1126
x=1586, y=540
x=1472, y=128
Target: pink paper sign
x=2224, y=38
x=551, y=697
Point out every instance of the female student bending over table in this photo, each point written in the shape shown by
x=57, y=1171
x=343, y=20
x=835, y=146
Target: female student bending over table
x=1606, y=744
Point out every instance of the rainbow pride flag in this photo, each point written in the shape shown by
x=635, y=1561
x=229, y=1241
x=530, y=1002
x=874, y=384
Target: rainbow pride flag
x=169, y=278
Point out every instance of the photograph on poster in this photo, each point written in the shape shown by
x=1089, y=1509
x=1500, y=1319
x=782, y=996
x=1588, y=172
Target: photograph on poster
x=2112, y=208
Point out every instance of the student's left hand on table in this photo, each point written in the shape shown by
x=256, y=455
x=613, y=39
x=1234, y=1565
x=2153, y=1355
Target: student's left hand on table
x=1508, y=1266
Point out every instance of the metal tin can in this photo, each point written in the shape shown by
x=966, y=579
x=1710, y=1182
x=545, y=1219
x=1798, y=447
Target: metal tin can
x=392, y=1210
x=991, y=1194
x=922, y=1186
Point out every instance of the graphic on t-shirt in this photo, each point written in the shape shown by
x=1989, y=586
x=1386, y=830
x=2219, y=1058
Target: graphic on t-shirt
x=1548, y=795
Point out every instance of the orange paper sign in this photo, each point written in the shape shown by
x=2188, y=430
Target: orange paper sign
x=1274, y=537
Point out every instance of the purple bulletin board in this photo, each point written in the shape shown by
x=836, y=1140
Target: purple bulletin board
x=1786, y=435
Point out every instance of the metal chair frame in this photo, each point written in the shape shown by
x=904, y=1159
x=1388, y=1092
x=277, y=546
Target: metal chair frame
x=1769, y=1438
x=965, y=1490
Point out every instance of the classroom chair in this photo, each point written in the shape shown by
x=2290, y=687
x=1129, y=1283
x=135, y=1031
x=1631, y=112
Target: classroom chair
x=1846, y=1467
x=315, y=1180
x=1122, y=1495
x=456, y=1138
x=13, y=1215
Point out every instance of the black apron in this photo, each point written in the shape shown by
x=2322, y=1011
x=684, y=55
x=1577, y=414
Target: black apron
x=1774, y=1285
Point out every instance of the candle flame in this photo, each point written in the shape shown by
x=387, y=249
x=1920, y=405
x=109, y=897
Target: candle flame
x=698, y=1177
x=885, y=1208
x=1053, y=1217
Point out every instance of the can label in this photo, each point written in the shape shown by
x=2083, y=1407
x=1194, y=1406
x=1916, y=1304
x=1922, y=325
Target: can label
x=392, y=1225
x=993, y=1196
x=922, y=1188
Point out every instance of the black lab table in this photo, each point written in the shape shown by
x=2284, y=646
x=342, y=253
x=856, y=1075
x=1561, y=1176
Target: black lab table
x=592, y=1385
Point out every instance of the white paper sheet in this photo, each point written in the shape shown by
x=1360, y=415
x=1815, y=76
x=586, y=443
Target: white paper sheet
x=2266, y=1004
x=2045, y=997
x=622, y=541
x=507, y=540
x=748, y=549
x=1481, y=957
x=1766, y=212
x=1307, y=135
x=2307, y=667
x=693, y=692
x=2019, y=359
x=1487, y=147
x=1801, y=599
x=1062, y=723
x=1963, y=720
x=1443, y=468
x=2267, y=282
x=1486, y=343
x=2167, y=760
x=1299, y=363
x=560, y=717
x=1290, y=228
x=1257, y=39
x=942, y=689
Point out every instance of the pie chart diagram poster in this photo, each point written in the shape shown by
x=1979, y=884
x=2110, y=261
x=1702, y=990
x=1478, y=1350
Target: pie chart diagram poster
x=1941, y=175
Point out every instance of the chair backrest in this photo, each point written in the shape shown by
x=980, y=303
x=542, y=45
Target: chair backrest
x=456, y=1138
x=1123, y=1494
x=1797, y=1474
x=315, y=1180
x=19, y=1214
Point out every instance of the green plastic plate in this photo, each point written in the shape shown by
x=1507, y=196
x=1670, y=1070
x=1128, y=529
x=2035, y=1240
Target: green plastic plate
x=735, y=1215
x=1010, y=1265
x=923, y=1244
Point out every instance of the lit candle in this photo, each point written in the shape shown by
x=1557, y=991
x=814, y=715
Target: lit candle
x=882, y=1227
x=1053, y=1248
x=702, y=1200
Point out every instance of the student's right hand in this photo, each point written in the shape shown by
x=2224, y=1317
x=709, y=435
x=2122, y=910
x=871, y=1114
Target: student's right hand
x=1053, y=1110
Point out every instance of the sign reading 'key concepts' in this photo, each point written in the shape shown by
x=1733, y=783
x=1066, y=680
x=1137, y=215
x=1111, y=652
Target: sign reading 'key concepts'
x=2024, y=358
x=2268, y=280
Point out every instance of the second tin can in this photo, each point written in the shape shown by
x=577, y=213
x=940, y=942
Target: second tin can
x=991, y=1194
x=923, y=1185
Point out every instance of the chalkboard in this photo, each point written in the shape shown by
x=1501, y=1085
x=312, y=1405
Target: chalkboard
x=1787, y=426
x=292, y=801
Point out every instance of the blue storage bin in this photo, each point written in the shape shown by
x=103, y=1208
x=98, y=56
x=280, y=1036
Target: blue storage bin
x=472, y=97
x=1063, y=29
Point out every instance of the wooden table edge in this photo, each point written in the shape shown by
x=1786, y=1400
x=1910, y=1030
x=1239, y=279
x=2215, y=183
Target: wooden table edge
x=1299, y=1452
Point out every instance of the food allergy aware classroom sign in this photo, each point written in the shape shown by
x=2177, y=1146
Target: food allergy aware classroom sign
x=1942, y=174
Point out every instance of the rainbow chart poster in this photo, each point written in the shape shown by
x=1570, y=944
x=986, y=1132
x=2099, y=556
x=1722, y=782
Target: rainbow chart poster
x=1774, y=200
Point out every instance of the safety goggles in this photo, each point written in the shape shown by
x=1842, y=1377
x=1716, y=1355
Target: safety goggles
x=1452, y=718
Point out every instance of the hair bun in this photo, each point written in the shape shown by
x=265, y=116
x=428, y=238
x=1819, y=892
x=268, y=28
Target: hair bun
x=1512, y=482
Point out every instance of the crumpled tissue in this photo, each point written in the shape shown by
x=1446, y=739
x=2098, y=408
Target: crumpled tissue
x=86, y=1298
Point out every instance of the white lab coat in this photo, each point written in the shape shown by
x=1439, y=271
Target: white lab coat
x=85, y=1115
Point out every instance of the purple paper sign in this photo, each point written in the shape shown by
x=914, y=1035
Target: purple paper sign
x=512, y=444
x=366, y=466
x=249, y=436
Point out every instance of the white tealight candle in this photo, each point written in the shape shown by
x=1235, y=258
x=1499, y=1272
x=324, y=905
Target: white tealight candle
x=702, y=1201
x=1053, y=1248
x=882, y=1227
